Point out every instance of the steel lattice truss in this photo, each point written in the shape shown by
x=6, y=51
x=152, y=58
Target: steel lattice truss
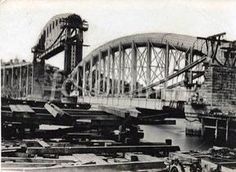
x=140, y=65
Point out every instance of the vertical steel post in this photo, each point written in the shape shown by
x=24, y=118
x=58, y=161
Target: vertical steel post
x=108, y=70
x=113, y=73
x=99, y=72
x=38, y=73
x=148, y=71
x=96, y=79
x=167, y=62
x=104, y=75
x=78, y=47
x=119, y=70
x=91, y=75
x=216, y=129
x=12, y=75
x=133, y=69
x=20, y=81
x=4, y=77
x=32, y=79
x=123, y=72
x=27, y=80
x=227, y=130
x=67, y=61
x=190, y=77
x=203, y=127
x=186, y=63
x=84, y=79
x=78, y=79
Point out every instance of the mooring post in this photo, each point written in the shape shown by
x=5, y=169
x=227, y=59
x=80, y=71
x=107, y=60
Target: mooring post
x=203, y=127
x=216, y=129
x=227, y=130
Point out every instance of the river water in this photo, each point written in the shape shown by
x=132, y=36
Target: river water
x=159, y=133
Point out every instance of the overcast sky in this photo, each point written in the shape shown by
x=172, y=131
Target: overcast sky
x=22, y=21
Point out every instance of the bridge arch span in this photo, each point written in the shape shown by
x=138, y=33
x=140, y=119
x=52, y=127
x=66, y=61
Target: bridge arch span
x=63, y=32
x=56, y=31
x=180, y=42
x=139, y=65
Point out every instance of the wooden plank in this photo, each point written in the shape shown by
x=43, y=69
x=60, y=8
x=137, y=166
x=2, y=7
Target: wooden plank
x=43, y=143
x=51, y=110
x=11, y=149
x=127, y=166
x=121, y=160
x=70, y=158
x=37, y=141
x=56, y=111
x=157, y=122
x=101, y=149
x=97, y=121
x=89, y=159
x=82, y=135
x=85, y=121
x=21, y=108
x=25, y=164
x=141, y=157
x=37, y=160
x=121, y=112
x=102, y=141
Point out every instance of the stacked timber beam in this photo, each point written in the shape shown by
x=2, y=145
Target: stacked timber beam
x=81, y=139
x=38, y=154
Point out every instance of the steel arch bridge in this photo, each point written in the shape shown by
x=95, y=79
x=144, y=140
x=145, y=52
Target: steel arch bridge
x=144, y=70
x=133, y=70
x=137, y=67
x=63, y=32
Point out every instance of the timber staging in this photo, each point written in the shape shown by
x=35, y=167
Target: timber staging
x=53, y=136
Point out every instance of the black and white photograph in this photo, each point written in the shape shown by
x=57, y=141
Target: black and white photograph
x=118, y=85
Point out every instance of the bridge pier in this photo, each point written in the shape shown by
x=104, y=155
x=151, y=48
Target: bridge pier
x=67, y=53
x=38, y=79
x=215, y=105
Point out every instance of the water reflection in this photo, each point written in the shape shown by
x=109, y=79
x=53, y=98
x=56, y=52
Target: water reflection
x=159, y=133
